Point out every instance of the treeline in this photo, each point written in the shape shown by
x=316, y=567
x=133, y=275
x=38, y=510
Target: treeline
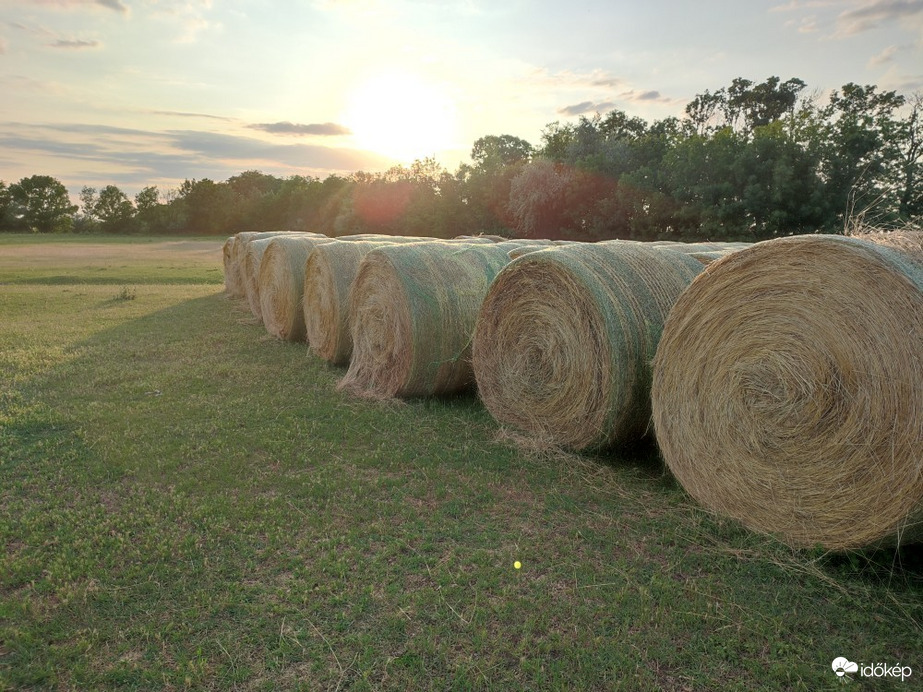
x=746, y=162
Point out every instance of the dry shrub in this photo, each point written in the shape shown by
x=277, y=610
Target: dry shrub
x=412, y=311
x=565, y=337
x=788, y=390
x=281, y=284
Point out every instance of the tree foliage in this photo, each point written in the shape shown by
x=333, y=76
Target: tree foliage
x=750, y=160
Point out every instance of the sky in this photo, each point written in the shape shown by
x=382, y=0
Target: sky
x=152, y=92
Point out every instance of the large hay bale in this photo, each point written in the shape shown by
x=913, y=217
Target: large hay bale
x=788, y=391
x=565, y=336
x=230, y=273
x=412, y=311
x=280, y=284
x=238, y=257
x=329, y=273
x=250, y=271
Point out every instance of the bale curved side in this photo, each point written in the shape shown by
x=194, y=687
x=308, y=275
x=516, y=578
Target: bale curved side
x=239, y=255
x=565, y=336
x=281, y=285
x=412, y=312
x=788, y=391
x=329, y=273
x=230, y=274
x=250, y=271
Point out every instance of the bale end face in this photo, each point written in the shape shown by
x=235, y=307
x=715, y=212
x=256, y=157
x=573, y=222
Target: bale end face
x=788, y=390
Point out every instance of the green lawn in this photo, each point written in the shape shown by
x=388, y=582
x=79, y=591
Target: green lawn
x=186, y=503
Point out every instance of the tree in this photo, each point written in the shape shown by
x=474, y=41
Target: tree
x=114, y=210
x=5, y=201
x=41, y=204
x=493, y=152
x=859, y=144
x=208, y=206
x=909, y=160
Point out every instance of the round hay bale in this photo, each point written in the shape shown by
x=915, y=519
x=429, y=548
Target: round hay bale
x=280, y=284
x=329, y=273
x=788, y=391
x=239, y=256
x=230, y=275
x=565, y=336
x=250, y=271
x=412, y=311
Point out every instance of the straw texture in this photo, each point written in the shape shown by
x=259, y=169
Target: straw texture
x=281, y=285
x=230, y=275
x=412, y=310
x=238, y=258
x=788, y=391
x=565, y=337
x=329, y=273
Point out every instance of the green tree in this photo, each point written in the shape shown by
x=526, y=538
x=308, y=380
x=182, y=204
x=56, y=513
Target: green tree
x=860, y=143
x=149, y=214
x=208, y=207
x=909, y=161
x=5, y=202
x=493, y=152
x=40, y=204
x=114, y=210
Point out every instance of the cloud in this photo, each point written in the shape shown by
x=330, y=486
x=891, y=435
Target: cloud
x=2, y=46
x=78, y=44
x=869, y=14
x=595, y=79
x=648, y=96
x=287, y=128
x=116, y=5
x=184, y=114
x=585, y=107
x=136, y=158
x=884, y=57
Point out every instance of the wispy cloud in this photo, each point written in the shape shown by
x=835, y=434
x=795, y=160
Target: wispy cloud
x=568, y=79
x=137, y=157
x=287, y=128
x=870, y=14
x=185, y=114
x=116, y=5
x=74, y=44
x=2, y=45
x=884, y=57
x=585, y=107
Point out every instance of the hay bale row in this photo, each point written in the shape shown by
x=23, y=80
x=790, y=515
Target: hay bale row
x=565, y=336
x=235, y=254
x=788, y=389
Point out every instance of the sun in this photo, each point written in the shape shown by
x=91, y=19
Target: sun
x=401, y=116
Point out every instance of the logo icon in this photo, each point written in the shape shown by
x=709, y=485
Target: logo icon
x=841, y=666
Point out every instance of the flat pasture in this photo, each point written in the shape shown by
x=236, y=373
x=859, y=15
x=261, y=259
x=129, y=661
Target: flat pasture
x=188, y=503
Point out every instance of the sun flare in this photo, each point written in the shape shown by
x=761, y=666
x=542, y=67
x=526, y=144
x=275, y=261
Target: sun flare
x=401, y=116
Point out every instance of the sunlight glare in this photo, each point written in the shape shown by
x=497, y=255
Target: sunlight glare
x=401, y=116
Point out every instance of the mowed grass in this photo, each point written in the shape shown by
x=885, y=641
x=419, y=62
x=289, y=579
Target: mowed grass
x=186, y=503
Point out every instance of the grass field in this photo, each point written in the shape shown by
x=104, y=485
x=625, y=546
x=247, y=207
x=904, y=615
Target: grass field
x=186, y=503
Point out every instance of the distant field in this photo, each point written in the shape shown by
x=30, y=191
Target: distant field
x=186, y=503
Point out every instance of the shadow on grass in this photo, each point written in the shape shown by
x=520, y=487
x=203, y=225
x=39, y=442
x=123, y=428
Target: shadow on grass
x=116, y=280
